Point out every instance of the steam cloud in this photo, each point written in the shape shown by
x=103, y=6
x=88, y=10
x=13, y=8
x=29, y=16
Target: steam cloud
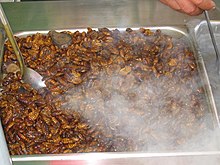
x=137, y=111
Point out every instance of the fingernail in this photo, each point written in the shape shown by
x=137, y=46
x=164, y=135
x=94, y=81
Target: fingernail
x=213, y=8
x=213, y=4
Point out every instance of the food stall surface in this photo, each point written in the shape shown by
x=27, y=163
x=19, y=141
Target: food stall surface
x=32, y=17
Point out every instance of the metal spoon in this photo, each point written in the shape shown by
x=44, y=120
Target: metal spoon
x=28, y=75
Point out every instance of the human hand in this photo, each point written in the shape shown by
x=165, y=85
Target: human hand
x=190, y=7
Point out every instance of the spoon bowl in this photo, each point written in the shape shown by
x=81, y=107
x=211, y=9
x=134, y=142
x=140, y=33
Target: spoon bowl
x=33, y=78
x=29, y=75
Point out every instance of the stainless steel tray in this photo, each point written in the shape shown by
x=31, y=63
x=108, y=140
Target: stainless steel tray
x=179, y=32
x=34, y=16
x=131, y=157
x=202, y=38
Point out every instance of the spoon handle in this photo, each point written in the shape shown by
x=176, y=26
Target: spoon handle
x=2, y=40
x=12, y=39
x=211, y=32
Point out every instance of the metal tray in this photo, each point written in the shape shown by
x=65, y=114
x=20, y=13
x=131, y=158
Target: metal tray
x=202, y=37
x=179, y=32
x=132, y=157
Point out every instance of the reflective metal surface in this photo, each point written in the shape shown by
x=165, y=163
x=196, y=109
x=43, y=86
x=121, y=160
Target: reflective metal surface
x=213, y=40
x=4, y=153
x=79, y=14
x=201, y=158
x=207, y=52
x=93, y=13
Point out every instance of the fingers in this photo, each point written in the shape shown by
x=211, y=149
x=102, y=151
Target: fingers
x=171, y=3
x=190, y=7
x=204, y=4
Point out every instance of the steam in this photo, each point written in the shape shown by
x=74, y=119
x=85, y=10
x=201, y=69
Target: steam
x=159, y=115
x=137, y=111
x=209, y=57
